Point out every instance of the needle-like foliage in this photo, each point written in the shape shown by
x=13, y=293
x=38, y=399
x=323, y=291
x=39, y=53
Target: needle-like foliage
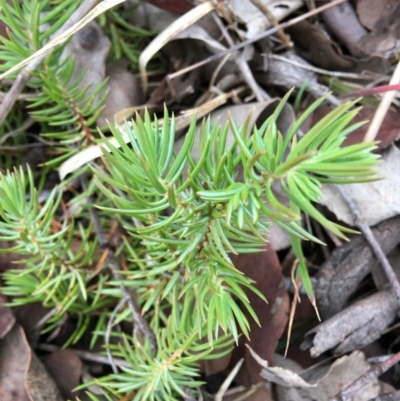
x=183, y=219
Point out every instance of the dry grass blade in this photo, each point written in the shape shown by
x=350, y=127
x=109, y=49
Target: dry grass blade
x=98, y=10
x=382, y=108
x=165, y=36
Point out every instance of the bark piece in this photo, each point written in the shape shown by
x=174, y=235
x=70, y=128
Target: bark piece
x=348, y=266
x=354, y=327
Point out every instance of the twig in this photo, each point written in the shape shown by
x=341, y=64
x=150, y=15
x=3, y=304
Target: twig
x=229, y=379
x=383, y=107
x=263, y=35
x=120, y=304
x=86, y=355
x=242, y=63
x=373, y=243
x=317, y=70
x=374, y=372
x=273, y=21
x=139, y=321
x=23, y=77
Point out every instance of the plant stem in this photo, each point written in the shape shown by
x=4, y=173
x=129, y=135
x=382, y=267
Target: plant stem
x=140, y=322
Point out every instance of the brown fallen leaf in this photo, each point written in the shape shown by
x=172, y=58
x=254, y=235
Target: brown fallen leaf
x=388, y=133
x=125, y=91
x=264, y=268
x=65, y=367
x=370, y=12
x=325, y=53
x=22, y=375
x=384, y=38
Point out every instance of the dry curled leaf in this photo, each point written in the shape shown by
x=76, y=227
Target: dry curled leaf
x=321, y=382
x=370, y=12
x=377, y=201
x=23, y=377
x=255, y=20
x=65, y=367
x=265, y=270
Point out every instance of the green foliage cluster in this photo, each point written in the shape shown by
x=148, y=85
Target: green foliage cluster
x=182, y=218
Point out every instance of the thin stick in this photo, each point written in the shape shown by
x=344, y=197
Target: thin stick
x=374, y=372
x=120, y=304
x=86, y=355
x=241, y=63
x=139, y=321
x=373, y=243
x=229, y=379
x=273, y=21
x=23, y=77
x=383, y=107
x=263, y=35
x=321, y=71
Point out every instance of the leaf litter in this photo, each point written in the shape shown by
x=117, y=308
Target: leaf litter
x=355, y=37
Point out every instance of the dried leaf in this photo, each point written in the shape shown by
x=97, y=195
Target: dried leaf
x=23, y=377
x=15, y=357
x=384, y=38
x=322, y=382
x=265, y=270
x=325, y=53
x=354, y=327
x=89, y=48
x=255, y=20
x=65, y=367
x=125, y=91
x=370, y=12
x=377, y=201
